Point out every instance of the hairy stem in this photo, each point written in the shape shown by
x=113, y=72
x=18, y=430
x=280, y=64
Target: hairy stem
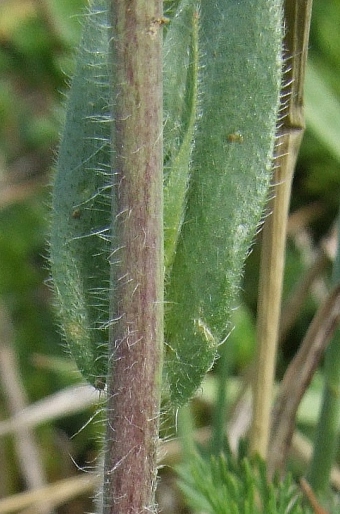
x=137, y=259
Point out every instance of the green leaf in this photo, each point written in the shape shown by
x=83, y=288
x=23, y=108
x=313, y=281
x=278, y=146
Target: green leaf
x=180, y=112
x=230, y=171
x=80, y=231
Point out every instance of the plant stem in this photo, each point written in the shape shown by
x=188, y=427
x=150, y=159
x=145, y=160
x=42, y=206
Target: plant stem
x=136, y=335
x=327, y=431
x=298, y=377
x=219, y=415
x=297, y=17
x=186, y=431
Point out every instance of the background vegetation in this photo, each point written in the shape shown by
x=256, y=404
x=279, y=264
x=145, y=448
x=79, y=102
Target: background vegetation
x=37, y=40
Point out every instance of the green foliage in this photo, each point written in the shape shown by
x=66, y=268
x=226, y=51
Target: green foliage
x=180, y=93
x=80, y=232
x=224, y=484
x=218, y=158
x=229, y=178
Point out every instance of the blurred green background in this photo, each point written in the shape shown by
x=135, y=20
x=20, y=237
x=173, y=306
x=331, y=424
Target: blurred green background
x=37, y=41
